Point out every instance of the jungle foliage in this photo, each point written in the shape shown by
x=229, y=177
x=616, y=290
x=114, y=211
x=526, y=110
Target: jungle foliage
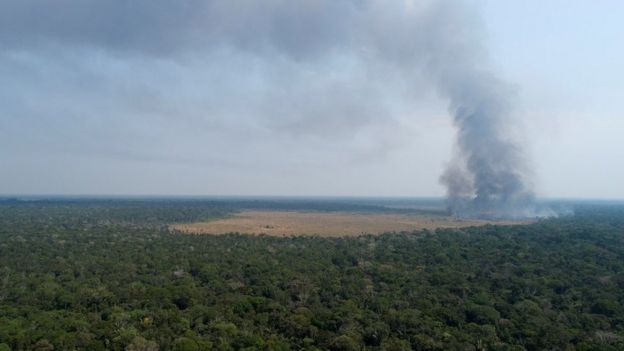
x=100, y=275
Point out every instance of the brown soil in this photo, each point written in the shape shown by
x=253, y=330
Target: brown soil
x=288, y=223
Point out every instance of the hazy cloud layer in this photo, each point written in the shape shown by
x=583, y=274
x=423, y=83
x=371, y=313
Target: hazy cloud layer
x=153, y=79
x=280, y=89
x=165, y=79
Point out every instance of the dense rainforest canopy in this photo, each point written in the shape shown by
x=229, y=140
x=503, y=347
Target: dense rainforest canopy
x=110, y=275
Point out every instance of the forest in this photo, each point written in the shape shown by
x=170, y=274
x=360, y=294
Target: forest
x=111, y=275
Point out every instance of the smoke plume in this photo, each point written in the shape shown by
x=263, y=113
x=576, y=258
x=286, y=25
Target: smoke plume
x=488, y=175
x=222, y=68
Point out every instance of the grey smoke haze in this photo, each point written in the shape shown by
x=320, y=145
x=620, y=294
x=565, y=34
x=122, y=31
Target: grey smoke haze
x=488, y=175
x=279, y=90
x=414, y=43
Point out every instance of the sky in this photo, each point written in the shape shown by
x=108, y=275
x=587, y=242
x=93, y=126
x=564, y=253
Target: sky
x=314, y=97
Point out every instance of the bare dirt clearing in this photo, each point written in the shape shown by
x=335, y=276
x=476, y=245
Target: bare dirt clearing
x=288, y=223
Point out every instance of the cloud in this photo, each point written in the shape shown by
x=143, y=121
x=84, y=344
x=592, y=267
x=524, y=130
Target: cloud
x=162, y=27
x=233, y=83
x=319, y=67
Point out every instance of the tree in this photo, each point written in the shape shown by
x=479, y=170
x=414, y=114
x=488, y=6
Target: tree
x=141, y=344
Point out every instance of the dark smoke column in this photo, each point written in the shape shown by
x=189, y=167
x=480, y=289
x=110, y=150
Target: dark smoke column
x=487, y=177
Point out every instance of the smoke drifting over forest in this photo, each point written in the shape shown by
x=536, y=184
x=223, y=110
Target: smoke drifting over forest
x=488, y=175
x=298, y=67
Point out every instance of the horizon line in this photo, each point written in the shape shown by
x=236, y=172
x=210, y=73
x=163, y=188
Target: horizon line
x=265, y=196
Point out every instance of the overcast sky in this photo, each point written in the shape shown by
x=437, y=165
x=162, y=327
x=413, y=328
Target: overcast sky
x=310, y=97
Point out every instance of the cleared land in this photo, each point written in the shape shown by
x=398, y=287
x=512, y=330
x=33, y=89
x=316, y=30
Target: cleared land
x=288, y=223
